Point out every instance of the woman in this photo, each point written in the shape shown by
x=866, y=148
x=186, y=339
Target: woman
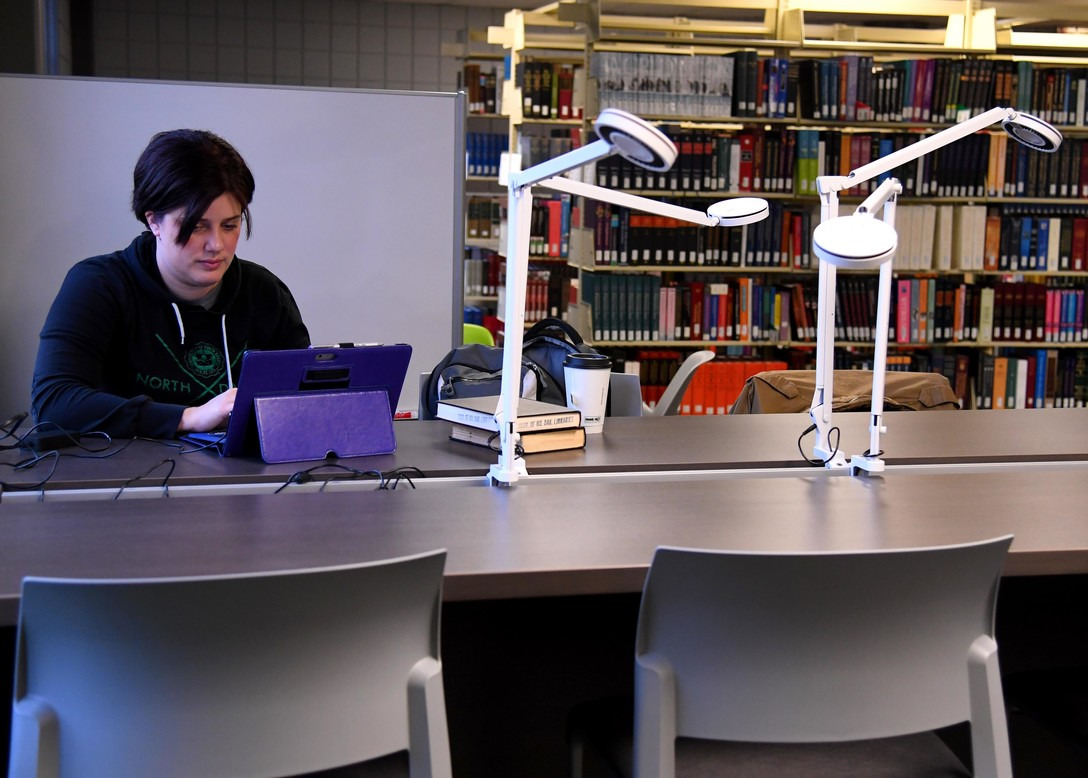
x=142, y=342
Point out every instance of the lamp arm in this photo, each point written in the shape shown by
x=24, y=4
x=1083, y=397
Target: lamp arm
x=562, y=184
x=583, y=155
x=881, y=195
x=886, y=195
x=915, y=150
x=519, y=212
x=820, y=409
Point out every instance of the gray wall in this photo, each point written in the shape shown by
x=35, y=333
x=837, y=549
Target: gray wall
x=19, y=32
x=17, y=36
x=390, y=45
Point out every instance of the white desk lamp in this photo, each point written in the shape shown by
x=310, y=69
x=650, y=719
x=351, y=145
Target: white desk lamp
x=636, y=141
x=860, y=241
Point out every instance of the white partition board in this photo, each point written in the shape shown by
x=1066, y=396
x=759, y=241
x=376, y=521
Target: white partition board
x=358, y=205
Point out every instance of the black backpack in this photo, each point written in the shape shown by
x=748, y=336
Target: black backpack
x=475, y=370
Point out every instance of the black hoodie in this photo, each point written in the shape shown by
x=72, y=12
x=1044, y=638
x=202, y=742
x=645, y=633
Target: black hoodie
x=120, y=354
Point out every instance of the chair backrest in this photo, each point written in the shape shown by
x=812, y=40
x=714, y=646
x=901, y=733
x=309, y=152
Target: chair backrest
x=624, y=395
x=475, y=333
x=257, y=674
x=669, y=404
x=810, y=647
x=424, y=381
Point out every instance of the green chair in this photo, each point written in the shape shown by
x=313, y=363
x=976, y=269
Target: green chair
x=474, y=333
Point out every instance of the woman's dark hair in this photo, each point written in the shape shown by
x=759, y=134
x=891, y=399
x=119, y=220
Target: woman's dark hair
x=188, y=169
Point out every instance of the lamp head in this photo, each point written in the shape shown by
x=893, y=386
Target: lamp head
x=635, y=139
x=858, y=241
x=1032, y=131
x=739, y=210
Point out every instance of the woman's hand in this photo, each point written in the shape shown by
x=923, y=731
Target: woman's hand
x=210, y=416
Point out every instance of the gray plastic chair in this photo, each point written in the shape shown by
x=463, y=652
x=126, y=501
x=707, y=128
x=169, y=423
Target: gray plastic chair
x=819, y=648
x=424, y=380
x=625, y=395
x=259, y=675
x=669, y=404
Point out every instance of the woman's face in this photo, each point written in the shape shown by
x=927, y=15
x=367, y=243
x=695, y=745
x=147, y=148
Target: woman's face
x=194, y=269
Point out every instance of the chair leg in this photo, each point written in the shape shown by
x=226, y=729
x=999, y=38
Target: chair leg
x=428, y=736
x=989, y=728
x=576, y=749
x=35, y=740
x=655, y=718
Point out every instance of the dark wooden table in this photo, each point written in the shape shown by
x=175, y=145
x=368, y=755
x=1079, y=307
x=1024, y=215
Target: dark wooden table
x=628, y=445
x=539, y=539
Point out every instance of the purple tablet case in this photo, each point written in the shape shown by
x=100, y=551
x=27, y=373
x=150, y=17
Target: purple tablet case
x=303, y=427
x=306, y=371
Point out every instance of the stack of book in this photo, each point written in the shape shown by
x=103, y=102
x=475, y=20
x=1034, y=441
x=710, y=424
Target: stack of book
x=543, y=426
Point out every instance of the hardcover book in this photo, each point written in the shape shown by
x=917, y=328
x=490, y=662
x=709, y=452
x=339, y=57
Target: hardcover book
x=533, y=415
x=530, y=442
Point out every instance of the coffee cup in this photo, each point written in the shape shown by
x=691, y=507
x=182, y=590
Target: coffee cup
x=587, y=378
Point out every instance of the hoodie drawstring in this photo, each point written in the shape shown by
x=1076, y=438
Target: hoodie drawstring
x=181, y=325
x=223, y=327
x=226, y=352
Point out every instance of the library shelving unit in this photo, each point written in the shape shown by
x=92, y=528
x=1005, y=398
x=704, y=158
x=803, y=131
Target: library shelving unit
x=992, y=266
x=486, y=133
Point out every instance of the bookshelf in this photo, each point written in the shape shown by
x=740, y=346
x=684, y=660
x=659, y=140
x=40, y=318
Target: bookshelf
x=484, y=207
x=765, y=97
x=486, y=138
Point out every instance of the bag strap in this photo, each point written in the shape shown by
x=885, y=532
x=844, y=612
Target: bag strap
x=551, y=323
